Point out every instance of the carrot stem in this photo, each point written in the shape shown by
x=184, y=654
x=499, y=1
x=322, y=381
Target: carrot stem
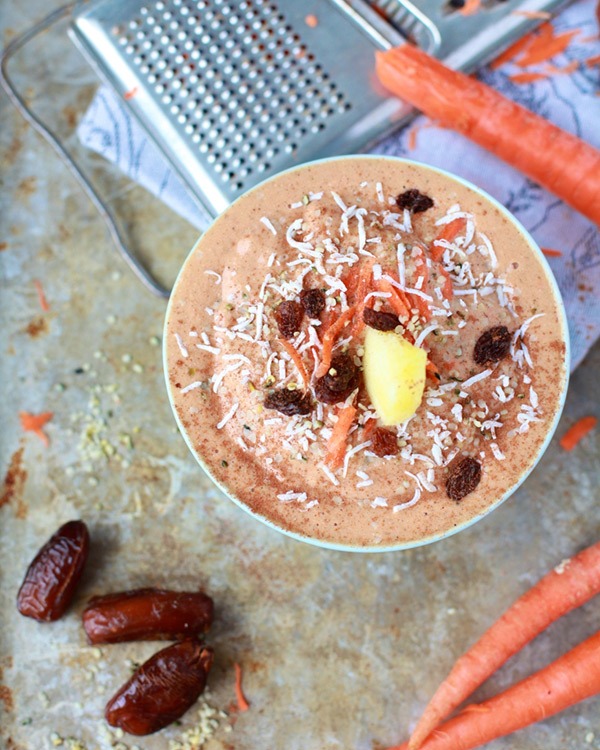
x=559, y=161
x=576, y=432
x=242, y=703
x=565, y=588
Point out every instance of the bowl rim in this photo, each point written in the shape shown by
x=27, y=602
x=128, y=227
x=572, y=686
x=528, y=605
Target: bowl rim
x=326, y=544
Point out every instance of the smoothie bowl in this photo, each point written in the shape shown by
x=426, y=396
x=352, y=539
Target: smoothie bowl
x=366, y=353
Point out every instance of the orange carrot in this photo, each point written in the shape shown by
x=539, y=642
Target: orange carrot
x=565, y=69
x=41, y=296
x=131, y=93
x=592, y=61
x=576, y=432
x=559, y=161
x=448, y=232
x=242, y=703
x=329, y=339
x=432, y=370
x=545, y=48
x=520, y=78
x=470, y=7
x=362, y=289
x=297, y=360
x=551, y=253
x=570, y=679
x=398, y=301
x=567, y=587
x=513, y=51
x=534, y=15
x=336, y=445
x=35, y=422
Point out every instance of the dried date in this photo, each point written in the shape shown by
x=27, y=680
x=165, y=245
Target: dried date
x=381, y=321
x=384, y=442
x=492, y=346
x=289, y=316
x=288, y=402
x=463, y=478
x=162, y=689
x=52, y=577
x=414, y=200
x=147, y=614
x=313, y=301
x=339, y=382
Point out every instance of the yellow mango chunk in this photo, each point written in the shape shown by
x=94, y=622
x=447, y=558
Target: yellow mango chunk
x=394, y=372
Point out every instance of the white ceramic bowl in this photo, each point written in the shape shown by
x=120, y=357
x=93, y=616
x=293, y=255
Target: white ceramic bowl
x=435, y=537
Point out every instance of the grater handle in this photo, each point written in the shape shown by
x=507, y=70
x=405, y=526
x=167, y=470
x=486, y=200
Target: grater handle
x=44, y=130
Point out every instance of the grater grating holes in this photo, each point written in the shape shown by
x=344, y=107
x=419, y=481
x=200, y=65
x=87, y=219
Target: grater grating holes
x=222, y=100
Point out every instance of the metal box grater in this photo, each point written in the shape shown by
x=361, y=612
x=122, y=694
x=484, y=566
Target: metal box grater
x=234, y=91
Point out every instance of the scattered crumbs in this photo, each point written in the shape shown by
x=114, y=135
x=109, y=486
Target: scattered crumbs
x=137, y=368
x=451, y=611
x=126, y=358
x=44, y=700
x=562, y=566
x=116, y=276
x=154, y=341
x=209, y=721
x=589, y=737
x=111, y=319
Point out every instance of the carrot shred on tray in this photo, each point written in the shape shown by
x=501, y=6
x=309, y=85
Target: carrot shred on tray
x=41, y=296
x=577, y=432
x=551, y=253
x=546, y=46
x=568, y=680
x=35, y=422
x=242, y=703
x=568, y=586
x=530, y=77
x=543, y=15
x=592, y=61
x=297, y=360
x=336, y=445
x=513, y=51
x=559, y=161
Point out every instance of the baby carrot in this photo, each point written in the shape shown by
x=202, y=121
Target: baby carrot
x=578, y=431
x=570, y=679
x=566, y=587
x=559, y=161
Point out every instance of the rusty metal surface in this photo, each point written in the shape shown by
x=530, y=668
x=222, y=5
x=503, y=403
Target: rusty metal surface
x=338, y=650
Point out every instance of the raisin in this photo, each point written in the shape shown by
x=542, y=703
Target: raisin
x=384, y=442
x=289, y=316
x=313, y=301
x=162, y=689
x=414, y=200
x=147, y=614
x=337, y=384
x=52, y=577
x=463, y=479
x=289, y=402
x=381, y=321
x=492, y=346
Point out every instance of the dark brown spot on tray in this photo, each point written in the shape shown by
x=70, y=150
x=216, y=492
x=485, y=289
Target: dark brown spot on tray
x=6, y=697
x=37, y=327
x=3, y=246
x=26, y=187
x=14, y=483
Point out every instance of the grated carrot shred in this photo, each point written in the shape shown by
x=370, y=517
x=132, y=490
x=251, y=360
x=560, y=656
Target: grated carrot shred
x=513, y=51
x=592, y=61
x=329, y=338
x=130, y=94
x=550, y=253
x=297, y=360
x=336, y=445
x=576, y=432
x=520, y=78
x=544, y=48
x=41, y=296
x=533, y=14
x=35, y=422
x=470, y=7
x=242, y=703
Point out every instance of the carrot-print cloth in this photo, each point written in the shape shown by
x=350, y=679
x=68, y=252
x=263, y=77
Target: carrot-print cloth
x=571, y=100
